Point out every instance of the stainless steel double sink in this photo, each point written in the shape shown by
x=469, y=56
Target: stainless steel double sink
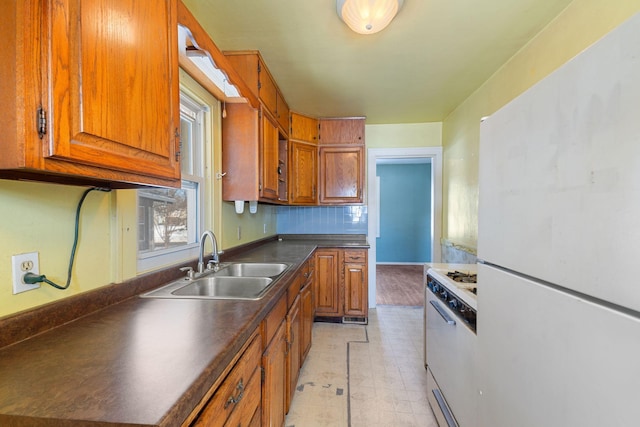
x=237, y=281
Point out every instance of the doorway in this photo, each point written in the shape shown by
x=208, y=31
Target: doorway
x=433, y=191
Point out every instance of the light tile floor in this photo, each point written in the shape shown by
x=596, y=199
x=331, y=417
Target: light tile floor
x=365, y=375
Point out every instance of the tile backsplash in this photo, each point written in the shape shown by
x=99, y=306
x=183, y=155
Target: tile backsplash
x=322, y=220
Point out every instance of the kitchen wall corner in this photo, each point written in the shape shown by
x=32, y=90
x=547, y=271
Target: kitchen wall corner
x=457, y=254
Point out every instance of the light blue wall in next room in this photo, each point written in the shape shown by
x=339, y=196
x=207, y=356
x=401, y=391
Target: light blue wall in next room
x=405, y=213
x=322, y=220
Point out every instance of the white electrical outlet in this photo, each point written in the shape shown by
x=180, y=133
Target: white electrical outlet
x=264, y=228
x=239, y=233
x=21, y=265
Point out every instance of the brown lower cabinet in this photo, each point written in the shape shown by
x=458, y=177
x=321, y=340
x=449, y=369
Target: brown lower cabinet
x=236, y=401
x=341, y=284
x=307, y=310
x=259, y=387
x=274, y=365
x=328, y=291
x=293, y=349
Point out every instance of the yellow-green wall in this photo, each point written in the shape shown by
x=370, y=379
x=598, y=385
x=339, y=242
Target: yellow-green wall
x=403, y=135
x=251, y=225
x=581, y=24
x=39, y=217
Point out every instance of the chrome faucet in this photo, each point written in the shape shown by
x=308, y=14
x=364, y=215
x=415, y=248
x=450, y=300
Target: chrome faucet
x=215, y=260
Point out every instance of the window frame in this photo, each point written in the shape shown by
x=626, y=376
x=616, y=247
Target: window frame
x=196, y=110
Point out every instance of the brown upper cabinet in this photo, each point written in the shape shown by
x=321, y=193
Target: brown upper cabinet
x=270, y=166
x=347, y=130
x=90, y=92
x=254, y=156
x=303, y=128
x=341, y=175
x=251, y=67
x=341, y=161
x=255, y=148
x=303, y=160
x=303, y=176
x=282, y=112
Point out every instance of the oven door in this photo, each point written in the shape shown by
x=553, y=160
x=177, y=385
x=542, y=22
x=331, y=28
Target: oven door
x=451, y=360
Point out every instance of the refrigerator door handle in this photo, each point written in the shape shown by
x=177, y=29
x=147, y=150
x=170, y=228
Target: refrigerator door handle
x=442, y=313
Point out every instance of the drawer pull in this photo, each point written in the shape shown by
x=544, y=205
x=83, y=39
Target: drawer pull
x=235, y=399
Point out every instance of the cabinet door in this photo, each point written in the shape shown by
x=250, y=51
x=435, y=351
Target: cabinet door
x=303, y=128
x=240, y=153
x=327, y=284
x=306, y=328
x=293, y=353
x=342, y=131
x=114, y=94
x=267, y=88
x=303, y=173
x=282, y=113
x=274, y=383
x=269, y=163
x=355, y=290
x=341, y=174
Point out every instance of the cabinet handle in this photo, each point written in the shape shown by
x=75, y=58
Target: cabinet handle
x=235, y=399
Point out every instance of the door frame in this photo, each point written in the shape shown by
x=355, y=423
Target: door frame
x=375, y=154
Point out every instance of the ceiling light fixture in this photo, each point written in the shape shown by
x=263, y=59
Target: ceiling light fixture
x=367, y=16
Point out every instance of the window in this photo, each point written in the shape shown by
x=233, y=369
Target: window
x=170, y=220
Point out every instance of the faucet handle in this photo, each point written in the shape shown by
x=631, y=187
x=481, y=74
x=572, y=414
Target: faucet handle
x=190, y=273
x=213, y=265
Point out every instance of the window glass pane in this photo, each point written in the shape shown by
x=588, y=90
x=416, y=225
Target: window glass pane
x=167, y=217
x=170, y=220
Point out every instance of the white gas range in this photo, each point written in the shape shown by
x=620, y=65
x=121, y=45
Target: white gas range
x=450, y=311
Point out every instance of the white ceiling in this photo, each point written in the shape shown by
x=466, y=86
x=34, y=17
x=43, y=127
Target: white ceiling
x=430, y=58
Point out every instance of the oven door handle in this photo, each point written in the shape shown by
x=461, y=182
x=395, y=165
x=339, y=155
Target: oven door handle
x=442, y=313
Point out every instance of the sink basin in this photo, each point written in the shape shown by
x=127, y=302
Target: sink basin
x=225, y=287
x=239, y=281
x=214, y=287
x=253, y=269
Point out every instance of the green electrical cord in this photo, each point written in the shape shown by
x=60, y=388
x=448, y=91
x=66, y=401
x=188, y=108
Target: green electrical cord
x=31, y=278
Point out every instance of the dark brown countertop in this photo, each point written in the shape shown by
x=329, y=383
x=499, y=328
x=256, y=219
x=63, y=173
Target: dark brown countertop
x=143, y=361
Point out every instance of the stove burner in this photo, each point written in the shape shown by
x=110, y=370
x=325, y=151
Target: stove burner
x=458, y=276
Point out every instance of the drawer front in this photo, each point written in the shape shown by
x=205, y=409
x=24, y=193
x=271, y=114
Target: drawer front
x=271, y=323
x=294, y=289
x=246, y=408
x=358, y=256
x=235, y=388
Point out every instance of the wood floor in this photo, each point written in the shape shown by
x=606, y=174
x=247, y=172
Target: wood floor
x=399, y=285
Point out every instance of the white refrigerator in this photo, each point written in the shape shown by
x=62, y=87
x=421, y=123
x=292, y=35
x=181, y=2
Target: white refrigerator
x=559, y=246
